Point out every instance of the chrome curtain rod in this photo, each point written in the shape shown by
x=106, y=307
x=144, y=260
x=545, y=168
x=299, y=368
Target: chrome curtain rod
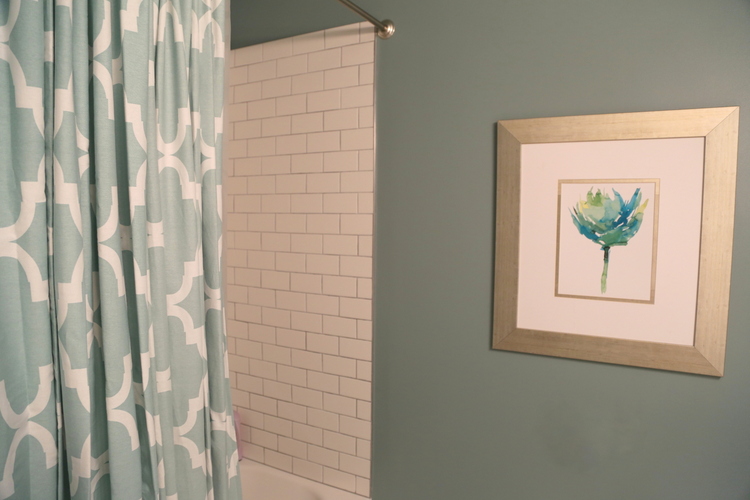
x=385, y=27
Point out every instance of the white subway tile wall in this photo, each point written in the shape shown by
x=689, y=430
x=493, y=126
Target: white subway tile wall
x=298, y=227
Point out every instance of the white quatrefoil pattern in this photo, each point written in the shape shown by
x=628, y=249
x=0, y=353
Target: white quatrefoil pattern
x=113, y=356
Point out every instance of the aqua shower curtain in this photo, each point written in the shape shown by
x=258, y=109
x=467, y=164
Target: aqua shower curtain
x=113, y=370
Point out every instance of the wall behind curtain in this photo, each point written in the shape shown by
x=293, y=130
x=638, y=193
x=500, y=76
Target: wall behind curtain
x=453, y=419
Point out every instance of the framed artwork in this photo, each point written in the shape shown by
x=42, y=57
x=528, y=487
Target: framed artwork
x=614, y=237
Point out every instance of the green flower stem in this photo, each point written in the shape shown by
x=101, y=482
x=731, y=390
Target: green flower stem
x=606, y=266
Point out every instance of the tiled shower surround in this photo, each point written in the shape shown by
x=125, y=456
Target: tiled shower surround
x=298, y=229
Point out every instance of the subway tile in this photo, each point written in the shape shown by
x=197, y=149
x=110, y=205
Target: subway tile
x=249, y=313
x=249, y=384
x=276, y=165
x=263, y=404
x=248, y=92
x=366, y=203
x=276, y=203
x=338, y=161
x=355, y=427
x=250, y=129
x=277, y=87
x=277, y=390
x=238, y=76
x=366, y=32
x=261, y=147
x=307, y=360
x=320, y=142
x=360, y=224
x=237, y=293
x=290, y=374
x=335, y=244
x=325, y=344
x=261, y=297
x=294, y=262
x=323, y=456
x=364, y=288
x=341, y=77
x=261, y=71
x=308, y=82
x=364, y=409
x=278, y=460
x=276, y=425
x=366, y=117
x=277, y=49
x=277, y=354
x=261, y=333
x=340, y=404
x=326, y=383
x=249, y=349
x=364, y=448
x=306, y=203
x=341, y=119
x=292, y=447
x=307, y=243
x=341, y=327
x=361, y=138
x=323, y=419
x=309, y=42
x=361, y=53
x=340, y=203
x=276, y=317
x=237, y=329
x=237, y=149
x=263, y=438
x=322, y=304
x=365, y=246
x=248, y=55
x=293, y=65
x=359, y=349
x=261, y=109
x=324, y=183
x=324, y=59
x=326, y=100
x=357, y=182
x=367, y=74
x=261, y=222
x=337, y=365
x=307, y=397
x=291, y=105
x=367, y=160
x=258, y=260
x=307, y=433
x=240, y=398
x=307, y=469
x=308, y=322
x=262, y=184
x=291, y=144
x=307, y=163
x=356, y=266
x=295, y=183
x=264, y=370
x=292, y=301
x=364, y=370
x=291, y=223
x=356, y=97
x=238, y=186
x=281, y=125
x=275, y=280
x=309, y=283
x=291, y=411
x=309, y=122
x=238, y=364
x=353, y=388
x=339, y=442
x=246, y=166
x=323, y=264
x=355, y=465
x=340, y=287
x=343, y=35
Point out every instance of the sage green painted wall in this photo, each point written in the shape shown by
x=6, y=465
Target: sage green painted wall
x=454, y=419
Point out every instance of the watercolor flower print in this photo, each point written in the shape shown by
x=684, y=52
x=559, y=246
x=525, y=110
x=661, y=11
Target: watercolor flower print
x=608, y=221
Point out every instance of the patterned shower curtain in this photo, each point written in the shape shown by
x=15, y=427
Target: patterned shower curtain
x=113, y=370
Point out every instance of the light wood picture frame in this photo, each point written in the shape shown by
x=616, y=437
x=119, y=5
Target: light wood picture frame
x=536, y=156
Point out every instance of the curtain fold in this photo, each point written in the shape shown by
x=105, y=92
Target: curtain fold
x=113, y=369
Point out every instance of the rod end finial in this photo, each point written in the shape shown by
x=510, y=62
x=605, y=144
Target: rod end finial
x=388, y=29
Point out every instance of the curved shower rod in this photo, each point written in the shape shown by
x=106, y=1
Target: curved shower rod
x=386, y=29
